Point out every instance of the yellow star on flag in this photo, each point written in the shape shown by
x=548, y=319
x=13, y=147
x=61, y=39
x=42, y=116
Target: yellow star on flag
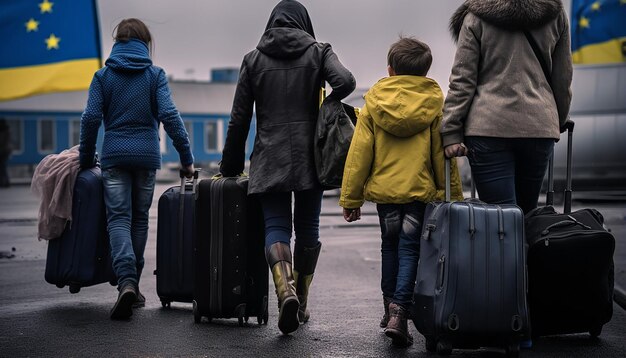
x=622, y=2
x=595, y=6
x=53, y=42
x=584, y=22
x=46, y=6
x=32, y=25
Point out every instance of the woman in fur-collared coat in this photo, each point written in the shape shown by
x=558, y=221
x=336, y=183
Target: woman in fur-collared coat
x=502, y=111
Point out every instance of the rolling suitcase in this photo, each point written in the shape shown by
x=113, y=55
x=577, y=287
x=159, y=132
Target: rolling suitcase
x=231, y=277
x=570, y=265
x=175, y=231
x=470, y=289
x=81, y=257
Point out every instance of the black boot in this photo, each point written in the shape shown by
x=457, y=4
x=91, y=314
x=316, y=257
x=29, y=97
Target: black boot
x=123, y=308
x=305, y=260
x=278, y=257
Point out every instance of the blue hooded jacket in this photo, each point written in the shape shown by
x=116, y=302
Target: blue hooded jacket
x=132, y=97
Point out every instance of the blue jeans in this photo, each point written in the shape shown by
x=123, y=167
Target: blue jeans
x=278, y=218
x=400, y=226
x=509, y=170
x=128, y=197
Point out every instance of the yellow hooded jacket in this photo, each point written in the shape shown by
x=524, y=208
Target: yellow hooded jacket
x=396, y=155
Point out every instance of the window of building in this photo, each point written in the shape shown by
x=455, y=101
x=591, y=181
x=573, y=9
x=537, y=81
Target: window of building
x=46, y=138
x=74, y=134
x=213, y=135
x=16, y=128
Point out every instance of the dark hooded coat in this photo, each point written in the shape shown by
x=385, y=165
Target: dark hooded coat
x=282, y=77
x=497, y=86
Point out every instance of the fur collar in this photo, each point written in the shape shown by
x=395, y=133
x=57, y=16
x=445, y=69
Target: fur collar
x=507, y=14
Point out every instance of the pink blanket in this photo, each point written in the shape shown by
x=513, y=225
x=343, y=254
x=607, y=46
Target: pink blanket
x=53, y=181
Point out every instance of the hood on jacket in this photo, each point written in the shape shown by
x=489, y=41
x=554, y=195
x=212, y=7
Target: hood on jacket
x=512, y=15
x=129, y=56
x=404, y=105
x=289, y=31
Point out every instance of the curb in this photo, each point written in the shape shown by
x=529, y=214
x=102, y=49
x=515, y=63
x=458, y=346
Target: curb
x=619, y=296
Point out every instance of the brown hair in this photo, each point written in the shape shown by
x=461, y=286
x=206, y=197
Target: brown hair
x=409, y=56
x=132, y=29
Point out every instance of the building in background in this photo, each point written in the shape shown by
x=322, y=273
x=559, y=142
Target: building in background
x=50, y=123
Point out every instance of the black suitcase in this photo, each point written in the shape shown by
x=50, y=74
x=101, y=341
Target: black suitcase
x=81, y=257
x=231, y=277
x=175, y=232
x=570, y=265
x=470, y=289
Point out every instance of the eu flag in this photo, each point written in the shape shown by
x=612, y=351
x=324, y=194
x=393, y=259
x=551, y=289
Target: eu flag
x=598, y=31
x=47, y=46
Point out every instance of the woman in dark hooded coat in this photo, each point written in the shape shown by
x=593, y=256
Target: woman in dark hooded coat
x=282, y=77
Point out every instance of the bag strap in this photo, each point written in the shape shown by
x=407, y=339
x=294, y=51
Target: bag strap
x=542, y=62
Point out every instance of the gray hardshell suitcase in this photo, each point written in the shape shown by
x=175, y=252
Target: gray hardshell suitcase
x=470, y=290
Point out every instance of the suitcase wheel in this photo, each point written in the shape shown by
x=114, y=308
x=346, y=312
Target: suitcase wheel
x=444, y=348
x=166, y=304
x=60, y=285
x=197, y=317
x=513, y=350
x=74, y=289
x=595, y=331
x=246, y=318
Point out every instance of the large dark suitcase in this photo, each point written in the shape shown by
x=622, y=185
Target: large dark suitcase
x=470, y=290
x=175, y=232
x=570, y=265
x=81, y=257
x=231, y=277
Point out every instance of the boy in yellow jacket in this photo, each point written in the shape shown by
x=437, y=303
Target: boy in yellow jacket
x=396, y=160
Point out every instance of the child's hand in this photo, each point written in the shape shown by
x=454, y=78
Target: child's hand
x=352, y=214
x=455, y=150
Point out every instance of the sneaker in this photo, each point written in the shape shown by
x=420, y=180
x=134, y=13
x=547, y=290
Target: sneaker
x=140, y=301
x=123, y=308
x=397, y=328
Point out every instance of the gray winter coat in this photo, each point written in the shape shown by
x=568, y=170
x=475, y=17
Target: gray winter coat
x=497, y=86
x=282, y=78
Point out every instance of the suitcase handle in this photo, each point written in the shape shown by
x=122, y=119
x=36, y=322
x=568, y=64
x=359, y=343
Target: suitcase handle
x=448, y=179
x=567, y=203
x=563, y=224
x=181, y=215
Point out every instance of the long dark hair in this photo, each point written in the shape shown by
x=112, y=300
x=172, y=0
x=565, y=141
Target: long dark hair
x=132, y=29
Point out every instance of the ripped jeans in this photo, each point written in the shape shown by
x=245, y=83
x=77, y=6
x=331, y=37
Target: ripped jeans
x=400, y=226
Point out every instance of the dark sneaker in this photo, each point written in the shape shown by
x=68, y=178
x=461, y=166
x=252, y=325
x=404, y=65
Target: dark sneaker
x=140, y=301
x=123, y=308
x=397, y=328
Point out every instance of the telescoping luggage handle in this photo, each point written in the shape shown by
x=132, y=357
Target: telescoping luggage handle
x=567, y=202
x=181, y=217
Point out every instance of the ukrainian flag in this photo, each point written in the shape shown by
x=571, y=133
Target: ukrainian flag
x=598, y=31
x=47, y=46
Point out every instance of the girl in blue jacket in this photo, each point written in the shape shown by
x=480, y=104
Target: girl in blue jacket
x=131, y=97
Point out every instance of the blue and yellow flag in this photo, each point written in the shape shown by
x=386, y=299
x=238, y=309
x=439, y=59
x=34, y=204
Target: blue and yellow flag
x=598, y=31
x=47, y=46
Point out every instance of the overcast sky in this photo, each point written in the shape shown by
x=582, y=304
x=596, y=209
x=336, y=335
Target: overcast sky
x=193, y=36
